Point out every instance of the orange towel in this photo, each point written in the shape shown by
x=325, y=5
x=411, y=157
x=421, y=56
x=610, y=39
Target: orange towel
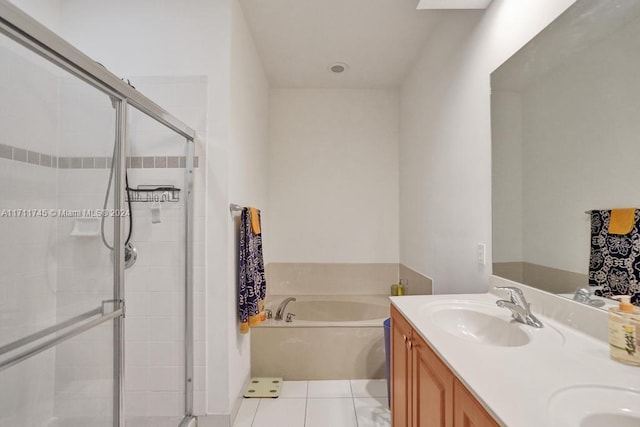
x=255, y=220
x=622, y=221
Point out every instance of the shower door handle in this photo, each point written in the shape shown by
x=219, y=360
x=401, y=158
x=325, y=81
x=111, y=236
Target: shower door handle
x=30, y=352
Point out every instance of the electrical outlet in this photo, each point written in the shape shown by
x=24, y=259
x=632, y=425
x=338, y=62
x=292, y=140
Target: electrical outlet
x=482, y=249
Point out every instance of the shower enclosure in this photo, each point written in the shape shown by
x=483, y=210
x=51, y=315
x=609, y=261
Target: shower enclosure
x=67, y=151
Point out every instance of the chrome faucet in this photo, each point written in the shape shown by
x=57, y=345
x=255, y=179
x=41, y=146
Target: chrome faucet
x=520, y=308
x=282, y=306
x=583, y=295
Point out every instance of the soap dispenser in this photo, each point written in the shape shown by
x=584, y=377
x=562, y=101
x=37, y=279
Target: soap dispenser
x=624, y=332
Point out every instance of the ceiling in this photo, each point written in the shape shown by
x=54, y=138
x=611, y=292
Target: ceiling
x=298, y=40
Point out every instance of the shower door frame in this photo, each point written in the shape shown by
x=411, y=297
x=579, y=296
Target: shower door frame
x=28, y=32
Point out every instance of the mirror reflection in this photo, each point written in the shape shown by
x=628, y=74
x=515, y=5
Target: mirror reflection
x=565, y=148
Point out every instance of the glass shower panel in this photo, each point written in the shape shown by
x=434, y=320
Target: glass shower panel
x=56, y=144
x=70, y=385
x=155, y=285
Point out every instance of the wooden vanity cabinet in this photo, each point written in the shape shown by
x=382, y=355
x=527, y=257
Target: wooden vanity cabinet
x=424, y=392
x=467, y=410
x=401, y=392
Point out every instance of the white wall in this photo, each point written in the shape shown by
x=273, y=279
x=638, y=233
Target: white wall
x=45, y=11
x=248, y=174
x=333, y=176
x=445, y=148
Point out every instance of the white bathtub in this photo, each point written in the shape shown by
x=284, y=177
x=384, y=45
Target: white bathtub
x=331, y=337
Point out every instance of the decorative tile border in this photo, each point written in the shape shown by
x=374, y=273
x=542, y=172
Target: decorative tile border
x=134, y=162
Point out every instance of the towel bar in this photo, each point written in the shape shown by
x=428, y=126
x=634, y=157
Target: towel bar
x=593, y=210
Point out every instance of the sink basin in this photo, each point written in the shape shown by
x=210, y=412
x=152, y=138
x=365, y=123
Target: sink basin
x=480, y=327
x=486, y=324
x=594, y=406
x=478, y=323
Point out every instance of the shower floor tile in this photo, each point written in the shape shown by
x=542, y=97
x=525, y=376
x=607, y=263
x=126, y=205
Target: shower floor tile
x=361, y=403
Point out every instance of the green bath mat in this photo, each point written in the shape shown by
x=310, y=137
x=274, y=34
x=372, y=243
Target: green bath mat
x=263, y=387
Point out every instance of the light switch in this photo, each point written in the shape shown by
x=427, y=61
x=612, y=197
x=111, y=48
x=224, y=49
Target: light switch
x=482, y=248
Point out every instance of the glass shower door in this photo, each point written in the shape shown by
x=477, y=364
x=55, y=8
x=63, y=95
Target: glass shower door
x=155, y=286
x=58, y=315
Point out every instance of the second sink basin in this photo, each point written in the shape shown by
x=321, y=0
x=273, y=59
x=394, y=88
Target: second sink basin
x=482, y=324
x=595, y=406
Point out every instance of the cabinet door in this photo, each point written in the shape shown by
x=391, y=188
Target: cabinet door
x=400, y=370
x=432, y=392
x=468, y=412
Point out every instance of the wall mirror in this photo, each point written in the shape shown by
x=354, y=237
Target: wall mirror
x=565, y=112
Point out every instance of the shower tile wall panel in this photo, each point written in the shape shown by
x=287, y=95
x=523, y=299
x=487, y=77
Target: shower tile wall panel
x=28, y=119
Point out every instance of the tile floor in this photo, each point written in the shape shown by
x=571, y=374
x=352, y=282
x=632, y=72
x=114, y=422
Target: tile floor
x=334, y=403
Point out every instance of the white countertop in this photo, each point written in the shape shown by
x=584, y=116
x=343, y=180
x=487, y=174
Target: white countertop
x=515, y=383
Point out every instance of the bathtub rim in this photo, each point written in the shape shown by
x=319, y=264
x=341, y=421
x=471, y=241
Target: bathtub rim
x=271, y=300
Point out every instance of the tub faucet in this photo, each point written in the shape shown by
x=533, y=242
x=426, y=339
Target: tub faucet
x=282, y=306
x=520, y=308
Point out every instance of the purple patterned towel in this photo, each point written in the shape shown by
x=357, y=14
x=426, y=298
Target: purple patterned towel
x=615, y=258
x=252, y=286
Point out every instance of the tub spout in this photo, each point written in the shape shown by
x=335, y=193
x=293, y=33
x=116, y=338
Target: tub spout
x=282, y=306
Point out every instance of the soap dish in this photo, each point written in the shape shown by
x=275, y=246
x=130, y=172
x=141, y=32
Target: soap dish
x=85, y=227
